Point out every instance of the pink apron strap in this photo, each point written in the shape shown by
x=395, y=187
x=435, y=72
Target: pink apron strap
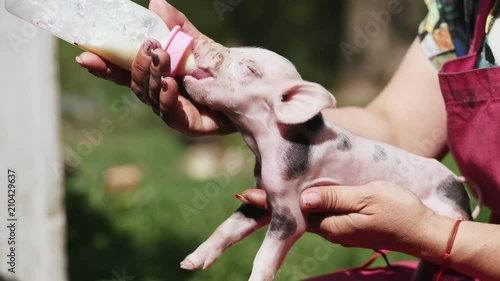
x=468, y=62
x=374, y=258
x=480, y=26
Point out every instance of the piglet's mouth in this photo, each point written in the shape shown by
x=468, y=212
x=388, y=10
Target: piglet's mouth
x=201, y=74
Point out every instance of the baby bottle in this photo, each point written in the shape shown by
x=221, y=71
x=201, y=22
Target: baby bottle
x=112, y=29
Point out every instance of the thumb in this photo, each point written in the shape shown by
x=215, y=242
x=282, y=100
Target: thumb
x=172, y=17
x=344, y=199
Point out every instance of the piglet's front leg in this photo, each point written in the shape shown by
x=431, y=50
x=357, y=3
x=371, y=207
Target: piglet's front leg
x=245, y=221
x=288, y=224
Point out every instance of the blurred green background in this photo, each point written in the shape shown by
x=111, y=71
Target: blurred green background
x=143, y=232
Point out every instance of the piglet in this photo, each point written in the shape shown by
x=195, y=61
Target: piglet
x=279, y=116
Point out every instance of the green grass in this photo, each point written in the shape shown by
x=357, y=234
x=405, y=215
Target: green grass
x=145, y=232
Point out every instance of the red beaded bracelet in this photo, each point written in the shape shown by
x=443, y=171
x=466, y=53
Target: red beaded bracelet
x=447, y=254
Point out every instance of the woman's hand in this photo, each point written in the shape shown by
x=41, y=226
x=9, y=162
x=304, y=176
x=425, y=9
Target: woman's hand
x=378, y=215
x=150, y=82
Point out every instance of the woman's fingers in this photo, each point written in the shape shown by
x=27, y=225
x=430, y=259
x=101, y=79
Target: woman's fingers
x=257, y=197
x=103, y=69
x=192, y=119
x=326, y=199
x=106, y=70
x=159, y=68
x=335, y=199
x=92, y=62
x=172, y=17
x=149, y=80
x=384, y=212
x=169, y=95
x=141, y=70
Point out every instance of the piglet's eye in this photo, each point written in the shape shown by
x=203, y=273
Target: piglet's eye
x=252, y=69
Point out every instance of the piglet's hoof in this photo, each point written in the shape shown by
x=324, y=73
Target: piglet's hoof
x=199, y=259
x=188, y=265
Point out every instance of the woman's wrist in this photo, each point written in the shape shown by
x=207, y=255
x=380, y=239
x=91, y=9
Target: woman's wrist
x=429, y=237
x=475, y=248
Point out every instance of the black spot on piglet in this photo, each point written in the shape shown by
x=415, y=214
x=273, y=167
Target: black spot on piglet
x=296, y=158
x=344, y=143
x=251, y=212
x=283, y=224
x=379, y=154
x=315, y=124
x=452, y=189
x=296, y=153
x=257, y=169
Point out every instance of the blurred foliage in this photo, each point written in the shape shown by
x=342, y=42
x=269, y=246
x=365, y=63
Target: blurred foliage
x=306, y=32
x=143, y=232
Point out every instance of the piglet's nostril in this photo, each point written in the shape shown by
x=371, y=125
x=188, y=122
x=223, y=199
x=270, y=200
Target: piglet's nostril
x=285, y=97
x=219, y=60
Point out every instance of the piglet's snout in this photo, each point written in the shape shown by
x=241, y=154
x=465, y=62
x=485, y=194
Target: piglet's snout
x=210, y=56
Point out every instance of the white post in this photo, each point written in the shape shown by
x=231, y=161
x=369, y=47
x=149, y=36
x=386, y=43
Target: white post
x=30, y=147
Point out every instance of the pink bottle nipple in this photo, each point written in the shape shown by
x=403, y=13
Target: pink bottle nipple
x=177, y=44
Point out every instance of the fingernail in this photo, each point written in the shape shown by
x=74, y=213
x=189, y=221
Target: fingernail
x=155, y=58
x=78, y=60
x=242, y=199
x=146, y=47
x=310, y=201
x=164, y=84
x=96, y=74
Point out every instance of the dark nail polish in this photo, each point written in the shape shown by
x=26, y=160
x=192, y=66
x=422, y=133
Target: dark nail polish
x=147, y=47
x=164, y=84
x=96, y=74
x=155, y=59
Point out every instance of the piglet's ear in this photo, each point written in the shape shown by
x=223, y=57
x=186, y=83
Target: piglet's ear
x=302, y=102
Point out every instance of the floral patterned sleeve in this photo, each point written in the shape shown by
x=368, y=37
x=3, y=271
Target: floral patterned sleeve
x=446, y=32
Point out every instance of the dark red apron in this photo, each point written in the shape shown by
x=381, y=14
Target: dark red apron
x=472, y=98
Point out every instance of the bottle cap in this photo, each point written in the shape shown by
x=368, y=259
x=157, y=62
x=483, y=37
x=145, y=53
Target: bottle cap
x=177, y=44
